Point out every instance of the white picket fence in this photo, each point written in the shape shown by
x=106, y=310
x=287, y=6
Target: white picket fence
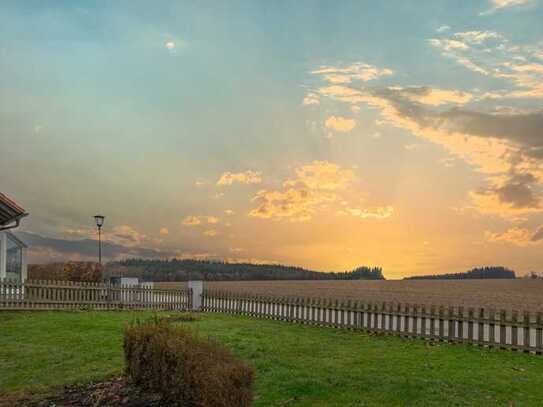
x=486, y=327
x=50, y=295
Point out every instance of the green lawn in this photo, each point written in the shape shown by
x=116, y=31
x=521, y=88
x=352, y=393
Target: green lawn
x=296, y=365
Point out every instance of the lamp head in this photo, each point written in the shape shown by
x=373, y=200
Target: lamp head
x=99, y=220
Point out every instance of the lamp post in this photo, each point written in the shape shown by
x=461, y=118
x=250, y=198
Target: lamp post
x=99, y=222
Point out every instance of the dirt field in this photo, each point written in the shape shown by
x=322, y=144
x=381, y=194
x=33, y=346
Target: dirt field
x=500, y=294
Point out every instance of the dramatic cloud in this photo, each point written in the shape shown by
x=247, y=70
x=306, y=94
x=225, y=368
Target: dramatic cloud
x=506, y=147
x=340, y=124
x=247, y=177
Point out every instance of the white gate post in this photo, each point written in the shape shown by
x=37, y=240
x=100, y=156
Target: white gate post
x=197, y=288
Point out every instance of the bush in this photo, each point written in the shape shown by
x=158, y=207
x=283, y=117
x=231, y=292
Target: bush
x=83, y=271
x=185, y=369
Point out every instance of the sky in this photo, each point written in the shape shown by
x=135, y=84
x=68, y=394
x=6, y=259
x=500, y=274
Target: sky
x=328, y=135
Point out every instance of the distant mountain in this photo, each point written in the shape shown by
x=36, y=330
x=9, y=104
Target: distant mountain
x=476, y=273
x=184, y=270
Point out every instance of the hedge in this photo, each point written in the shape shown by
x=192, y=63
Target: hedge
x=184, y=369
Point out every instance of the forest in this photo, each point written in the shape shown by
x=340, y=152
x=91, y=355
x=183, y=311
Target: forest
x=476, y=273
x=184, y=270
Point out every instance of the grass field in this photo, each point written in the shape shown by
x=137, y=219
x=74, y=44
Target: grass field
x=520, y=294
x=296, y=365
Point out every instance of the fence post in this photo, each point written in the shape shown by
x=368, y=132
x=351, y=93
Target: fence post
x=197, y=288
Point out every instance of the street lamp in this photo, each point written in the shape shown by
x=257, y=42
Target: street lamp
x=99, y=222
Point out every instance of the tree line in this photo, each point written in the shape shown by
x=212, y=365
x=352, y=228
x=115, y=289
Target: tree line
x=476, y=273
x=187, y=269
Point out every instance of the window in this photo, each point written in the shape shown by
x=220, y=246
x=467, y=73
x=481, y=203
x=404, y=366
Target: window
x=14, y=260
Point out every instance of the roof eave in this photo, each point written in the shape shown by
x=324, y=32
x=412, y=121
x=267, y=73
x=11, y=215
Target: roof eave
x=16, y=219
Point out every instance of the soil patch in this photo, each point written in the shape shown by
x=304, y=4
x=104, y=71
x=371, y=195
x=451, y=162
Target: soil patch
x=113, y=392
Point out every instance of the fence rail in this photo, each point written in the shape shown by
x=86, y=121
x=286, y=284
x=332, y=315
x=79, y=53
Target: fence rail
x=51, y=295
x=486, y=327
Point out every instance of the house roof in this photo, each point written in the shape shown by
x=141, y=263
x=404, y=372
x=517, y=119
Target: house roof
x=9, y=210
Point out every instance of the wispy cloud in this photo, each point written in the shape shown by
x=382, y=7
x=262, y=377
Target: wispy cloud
x=491, y=54
x=339, y=124
x=315, y=184
x=509, y=196
x=170, y=45
x=247, y=177
x=434, y=96
x=43, y=249
x=448, y=44
x=193, y=220
x=412, y=147
x=478, y=37
x=124, y=235
x=517, y=236
x=378, y=212
x=496, y=5
x=357, y=71
x=311, y=99
x=212, y=219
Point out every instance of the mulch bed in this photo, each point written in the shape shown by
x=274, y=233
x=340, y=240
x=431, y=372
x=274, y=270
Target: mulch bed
x=114, y=392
